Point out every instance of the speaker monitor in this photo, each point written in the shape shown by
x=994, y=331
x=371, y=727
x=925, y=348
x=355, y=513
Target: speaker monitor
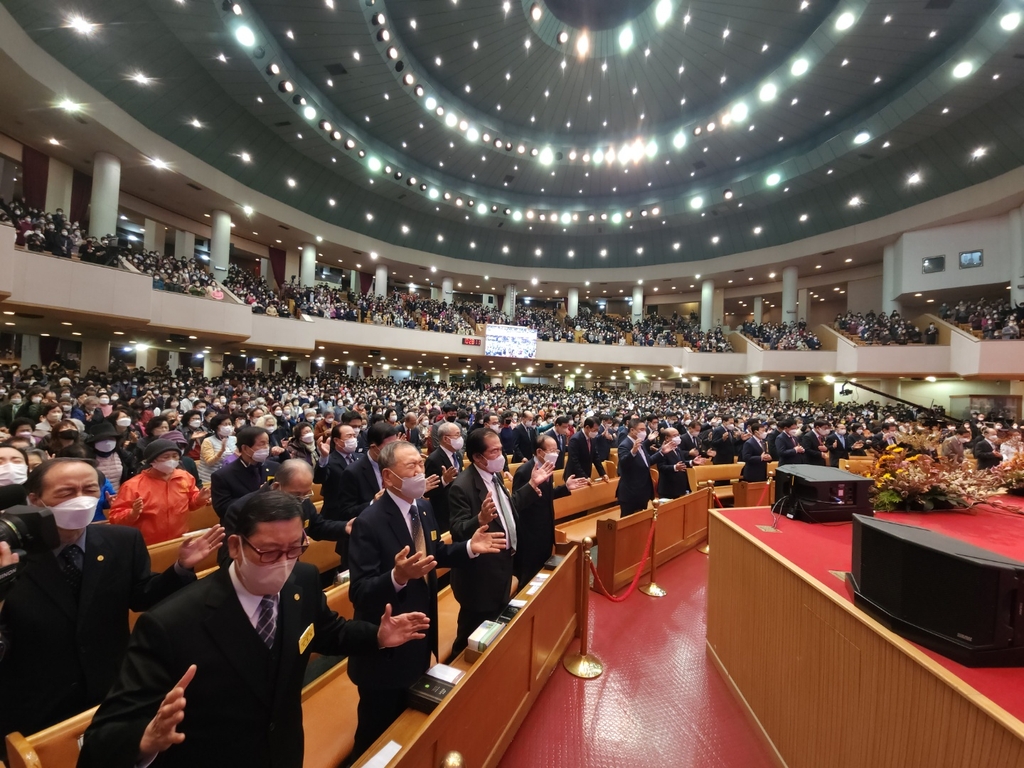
x=959, y=600
x=821, y=494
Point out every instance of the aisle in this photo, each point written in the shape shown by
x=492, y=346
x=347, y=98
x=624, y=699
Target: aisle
x=659, y=703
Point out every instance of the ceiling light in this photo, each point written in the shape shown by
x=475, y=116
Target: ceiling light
x=757, y=231
x=535, y=12
x=563, y=37
x=855, y=201
x=80, y=25
x=914, y=178
x=715, y=240
x=291, y=183
x=727, y=194
x=392, y=52
x=158, y=163
x=963, y=69
x=245, y=36
x=768, y=92
x=309, y=113
x=979, y=153
x=800, y=66
x=845, y=21
x=69, y=106
x=1010, y=21
x=739, y=112
x=697, y=202
x=626, y=38
x=862, y=138
x=773, y=179
x=803, y=217
x=247, y=210
x=140, y=78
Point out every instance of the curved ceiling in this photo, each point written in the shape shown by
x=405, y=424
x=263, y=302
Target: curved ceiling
x=562, y=134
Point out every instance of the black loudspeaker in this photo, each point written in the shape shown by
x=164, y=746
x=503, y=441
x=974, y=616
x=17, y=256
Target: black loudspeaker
x=821, y=494
x=959, y=600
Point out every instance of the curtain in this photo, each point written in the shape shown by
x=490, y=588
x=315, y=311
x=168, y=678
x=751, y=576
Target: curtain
x=35, y=168
x=48, y=346
x=501, y=301
x=277, y=259
x=365, y=281
x=81, y=191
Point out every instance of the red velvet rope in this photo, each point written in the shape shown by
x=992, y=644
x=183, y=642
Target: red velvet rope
x=636, y=576
x=764, y=492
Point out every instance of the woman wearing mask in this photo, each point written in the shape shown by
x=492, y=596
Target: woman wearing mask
x=269, y=423
x=216, y=447
x=157, y=500
x=303, y=444
x=13, y=472
x=50, y=415
x=281, y=432
x=112, y=459
x=35, y=400
x=65, y=433
x=323, y=427
x=106, y=407
x=156, y=427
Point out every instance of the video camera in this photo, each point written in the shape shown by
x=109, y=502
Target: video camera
x=27, y=530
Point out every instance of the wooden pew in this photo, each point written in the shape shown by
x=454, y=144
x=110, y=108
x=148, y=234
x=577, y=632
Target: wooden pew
x=858, y=465
x=163, y=555
x=701, y=476
x=317, y=494
x=682, y=525
x=202, y=518
x=322, y=555
x=585, y=500
x=53, y=747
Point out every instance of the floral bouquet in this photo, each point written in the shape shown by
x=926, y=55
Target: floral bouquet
x=1010, y=474
x=920, y=483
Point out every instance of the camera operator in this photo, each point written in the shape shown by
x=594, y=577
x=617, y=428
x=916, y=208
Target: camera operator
x=64, y=623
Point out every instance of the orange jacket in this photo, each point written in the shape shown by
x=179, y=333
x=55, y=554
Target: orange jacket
x=165, y=504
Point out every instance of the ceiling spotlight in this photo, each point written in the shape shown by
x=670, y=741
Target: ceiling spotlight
x=772, y=179
x=563, y=37
x=69, y=106
x=419, y=91
x=862, y=138
x=245, y=36
x=800, y=67
x=158, y=163
x=247, y=210
x=378, y=19
x=739, y=112
x=285, y=86
x=140, y=78
x=383, y=35
x=727, y=194
x=855, y=201
x=663, y=12
x=768, y=92
x=845, y=21
x=392, y=52
x=963, y=69
x=979, y=153
x=535, y=12
x=582, y=44
x=309, y=113
x=1010, y=21
x=626, y=38
x=697, y=202
x=80, y=25
x=914, y=178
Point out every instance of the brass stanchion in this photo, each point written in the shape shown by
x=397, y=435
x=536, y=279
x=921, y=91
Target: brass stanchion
x=453, y=760
x=584, y=664
x=705, y=548
x=651, y=588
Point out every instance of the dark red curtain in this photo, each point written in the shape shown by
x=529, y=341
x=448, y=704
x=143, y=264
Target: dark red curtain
x=501, y=301
x=35, y=170
x=81, y=191
x=48, y=346
x=277, y=259
x=365, y=281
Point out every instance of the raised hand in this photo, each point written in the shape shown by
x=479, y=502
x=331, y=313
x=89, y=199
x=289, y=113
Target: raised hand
x=396, y=630
x=488, y=511
x=162, y=731
x=432, y=482
x=449, y=475
x=574, y=483
x=136, y=510
x=541, y=473
x=484, y=543
x=411, y=567
x=204, y=495
x=324, y=446
x=197, y=548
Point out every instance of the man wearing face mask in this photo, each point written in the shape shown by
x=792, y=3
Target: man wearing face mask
x=449, y=412
x=525, y=436
x=582, y=458
x=66, y=617
x=239, y=642
x=755, y=455
x=672, y=463
x=479, y=497
x=252, y=469
x=953, y=446
x=840, y=445
x=337, y=454
x=9, y=411
x=788, y=444
x=813, y=442
x=444, y=463
x=157, y=500
x=635, y=488
x=395, y=548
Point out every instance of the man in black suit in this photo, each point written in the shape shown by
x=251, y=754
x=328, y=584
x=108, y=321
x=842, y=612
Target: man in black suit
x=560, y=433
x=755, y=455
x=449, y=412
x=582, y=452
x=605, y=438
x=239, y=641
x=395, y=547
x=787, y=443
x=985, y=450
x=337, y=454
x=444, y=463
x=64, y=624
x=726, y=441
x=672, y=462
x=354, y=419
x=813, y=442
x=635, y=488
x=246, y=473
x=478, y=497
x=537, y=517
x=690, y=443
x=526, y=436
x=839, y=445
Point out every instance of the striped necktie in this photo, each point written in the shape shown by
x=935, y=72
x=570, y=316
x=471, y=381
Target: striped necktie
x=266, y=624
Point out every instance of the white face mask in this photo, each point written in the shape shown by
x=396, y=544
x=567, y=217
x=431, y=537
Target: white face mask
x=675, y=441
x=494, y=427
x=496, y=465
x=457, y=443
x=551, y=458
x=641, y=436
x=13, y=474
x=307, y=438
x=393, y=418
x=414, y=487
x=225, y=431
x=794, y=433
x=350, y=445
x=74, y=514
x=261, y=455
x=124, y=422
x=260, y=579
x=166, y=466
x=195, y=423
x=105, y=446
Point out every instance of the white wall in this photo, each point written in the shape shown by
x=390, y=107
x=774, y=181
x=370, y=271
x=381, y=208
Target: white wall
x=989, y=235
x=864, y=295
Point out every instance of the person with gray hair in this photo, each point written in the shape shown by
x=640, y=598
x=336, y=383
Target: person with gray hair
x=444, y=463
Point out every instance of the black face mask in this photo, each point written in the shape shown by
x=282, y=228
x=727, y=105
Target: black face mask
x=68, y=434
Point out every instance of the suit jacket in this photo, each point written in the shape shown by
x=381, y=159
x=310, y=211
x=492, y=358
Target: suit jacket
x=671, y=483
x=603, y=445
x=330, y=478
x=786, y=447
x=437, y=462
x=562, y=442
x=537, y=532
x=755, y=469
x=318, y=527
x=236, y=480
x=635, y=488
x=244, y=706
x=379, y=535
x=582, y=459
x=484, y=584
x=63, y=656
x=838, y=447
x=526, y=438
x=358, y=487
x=688, y=443
x=814, y=448
x=725, y=444
x=986, y=454
x=953, y=448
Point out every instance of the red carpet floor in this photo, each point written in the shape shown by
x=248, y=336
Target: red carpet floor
x=659, y=703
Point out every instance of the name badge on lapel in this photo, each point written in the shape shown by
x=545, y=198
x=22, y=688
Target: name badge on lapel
x=305, y=523
x=433, y=535
x=306, y=639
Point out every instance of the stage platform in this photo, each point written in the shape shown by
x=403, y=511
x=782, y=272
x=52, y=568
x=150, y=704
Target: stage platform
x=825, y=683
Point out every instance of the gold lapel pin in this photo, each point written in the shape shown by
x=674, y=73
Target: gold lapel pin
x=296, y=595
x=99, y=558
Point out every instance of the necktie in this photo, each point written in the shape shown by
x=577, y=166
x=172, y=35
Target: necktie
x=266, y=626
x=70, y=562
x=505, y=513
x=418, y=541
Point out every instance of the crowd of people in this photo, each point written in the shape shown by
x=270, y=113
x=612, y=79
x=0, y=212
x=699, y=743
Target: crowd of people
x=170, y=273
x=789, y=336
x=994, y=318
x=882, y=329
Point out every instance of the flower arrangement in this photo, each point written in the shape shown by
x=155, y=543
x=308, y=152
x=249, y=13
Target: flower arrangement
x=1010, y=474
x=918, y=482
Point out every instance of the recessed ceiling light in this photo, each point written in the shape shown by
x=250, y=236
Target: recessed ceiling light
x=845, y=21
x=767, y=92
x=803, y=217
x=963, y=69
x=1010, y=21
x=772, y=179
x=626, y=38
x=80, y=25
x=799, y=67
x=855, y=201
x=862, y=138
x=979, y=153
x=914, y=178
x=757, y=230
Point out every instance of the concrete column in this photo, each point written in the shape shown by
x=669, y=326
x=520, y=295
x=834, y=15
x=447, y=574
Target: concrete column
x=436, y=294
x=707, y=305
x=803, y=303
x=801, y=390
x=174, y=360
x=789, y=279
x=786, y=390
x=1017, y=256
x=265, y=269
x=95, y=353
x=307, y=265
x=447, y=286
x=106, y=185
x=509, y=307
x=889, y=269
x=638, y=303
x=380, y=283
x=444, y=375
x=150, y=238
x=755, y=388
x=184, y=244
x=220, y=244
x=704, y=387
x=30, y=351
x=353, y=281
x=758, y=310
x=890, y=387
x=145, y=358
x=58, y=186
x=573, y=306
x=302, y=368
x=718, y=308
x=213, y=365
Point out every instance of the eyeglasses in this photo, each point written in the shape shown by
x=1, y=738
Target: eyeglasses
x=268, y=556
x=303, y=496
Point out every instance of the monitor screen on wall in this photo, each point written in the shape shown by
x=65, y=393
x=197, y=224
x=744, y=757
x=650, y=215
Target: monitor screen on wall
x=933, y=264
x=971, y=259
x=510, y=341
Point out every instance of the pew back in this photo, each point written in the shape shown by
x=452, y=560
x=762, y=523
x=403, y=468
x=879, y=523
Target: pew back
x=589, y=499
